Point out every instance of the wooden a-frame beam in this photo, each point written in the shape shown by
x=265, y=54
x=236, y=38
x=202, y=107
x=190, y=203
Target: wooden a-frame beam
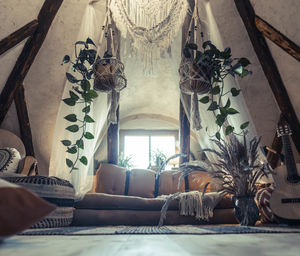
x=18, y=36
x=269, y=67
x=28, y=54
x=276, y=37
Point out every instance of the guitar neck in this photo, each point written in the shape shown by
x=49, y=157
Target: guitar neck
x=289, y=157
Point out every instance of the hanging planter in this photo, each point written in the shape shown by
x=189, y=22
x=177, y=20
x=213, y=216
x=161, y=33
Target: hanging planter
x=109, y=75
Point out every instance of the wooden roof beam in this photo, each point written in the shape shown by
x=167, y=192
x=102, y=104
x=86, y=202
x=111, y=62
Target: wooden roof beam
x=28, y=54
x=18, y=36
x=269, y=67
x=276, y=37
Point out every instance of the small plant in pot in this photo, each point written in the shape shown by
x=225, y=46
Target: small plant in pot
x=237, y=171
x=203, y=71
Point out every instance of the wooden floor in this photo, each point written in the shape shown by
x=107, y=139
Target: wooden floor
x=153, y=245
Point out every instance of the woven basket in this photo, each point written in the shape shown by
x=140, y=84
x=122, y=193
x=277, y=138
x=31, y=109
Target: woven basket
x=109, y=75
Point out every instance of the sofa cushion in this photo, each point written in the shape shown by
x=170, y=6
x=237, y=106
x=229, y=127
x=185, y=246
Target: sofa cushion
x=168, y=183
x=141, y=183
x=87, y=217
x=110, y=179
x=103, y=201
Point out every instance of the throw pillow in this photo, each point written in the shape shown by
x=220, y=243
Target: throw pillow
x=20, y=209
x=9, y=159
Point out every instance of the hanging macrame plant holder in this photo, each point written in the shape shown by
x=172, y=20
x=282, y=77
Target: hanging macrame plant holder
x=195, y=78
x=109, y=74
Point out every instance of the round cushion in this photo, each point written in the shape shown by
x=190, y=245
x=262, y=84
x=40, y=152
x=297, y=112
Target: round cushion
x=9, y=160
x=10, y=140
x=54, y=190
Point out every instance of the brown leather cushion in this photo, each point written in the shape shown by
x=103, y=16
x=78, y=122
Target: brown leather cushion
x=110, y=179
x=197, y=181
x=141, y=183
x=86, y=217
x=20, y=209
x=168, y=183
x=116, y=202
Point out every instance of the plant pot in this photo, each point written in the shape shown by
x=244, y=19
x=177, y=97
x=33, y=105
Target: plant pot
x=245, y=210
x=109, y=75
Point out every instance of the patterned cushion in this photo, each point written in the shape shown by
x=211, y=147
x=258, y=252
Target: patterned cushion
x=9, y=159
x=54, y=190
x=263, y=196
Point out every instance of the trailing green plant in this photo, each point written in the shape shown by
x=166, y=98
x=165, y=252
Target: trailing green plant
x=217, y=65
x=83, y=94
x=125, y=161
x=158, y=158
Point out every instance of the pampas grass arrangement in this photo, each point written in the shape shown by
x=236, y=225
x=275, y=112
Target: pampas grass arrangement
x=238, y=168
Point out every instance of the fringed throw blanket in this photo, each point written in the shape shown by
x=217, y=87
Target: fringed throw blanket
x=192, y=203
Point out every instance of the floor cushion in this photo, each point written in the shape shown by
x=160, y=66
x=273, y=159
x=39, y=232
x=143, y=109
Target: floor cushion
x=20, y=208
x=54, y=190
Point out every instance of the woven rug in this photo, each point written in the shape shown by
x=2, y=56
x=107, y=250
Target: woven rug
x=184, y=229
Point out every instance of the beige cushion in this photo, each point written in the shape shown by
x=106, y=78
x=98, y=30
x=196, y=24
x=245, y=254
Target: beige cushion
x=9, y=160
x=86, y=217
x=141, y=183
x=8, y=139
x=110, y=179
x=20, y=209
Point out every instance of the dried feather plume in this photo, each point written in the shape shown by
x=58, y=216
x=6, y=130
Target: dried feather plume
x=238, y=168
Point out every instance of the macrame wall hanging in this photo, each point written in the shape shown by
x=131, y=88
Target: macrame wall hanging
x=194, y=78
x=150, y=25
x=109, y=70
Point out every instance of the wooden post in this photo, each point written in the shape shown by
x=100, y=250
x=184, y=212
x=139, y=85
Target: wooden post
x=24, y=123
x=28, y=54
x=276, y=37
x=113, y=142
x=269, y=67
x=18, y=36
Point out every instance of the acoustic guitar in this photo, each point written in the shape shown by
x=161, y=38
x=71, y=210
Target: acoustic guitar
x=285, y=200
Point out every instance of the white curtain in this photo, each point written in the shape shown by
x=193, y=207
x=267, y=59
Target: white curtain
x=81, y=179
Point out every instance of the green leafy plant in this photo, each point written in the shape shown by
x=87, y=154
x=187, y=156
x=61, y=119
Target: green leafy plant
x=125, y=161
x=83, y=94
x=217, y=65
x=158, y=158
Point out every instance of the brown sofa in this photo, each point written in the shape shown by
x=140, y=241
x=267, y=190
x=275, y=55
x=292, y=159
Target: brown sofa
x=121, y=197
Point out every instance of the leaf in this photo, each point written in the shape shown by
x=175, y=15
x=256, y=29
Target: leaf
x=88, y=119
x=204, y=99
x=244, y=62
x=223, y=111
x=226, y=54
x=71, y=78
x=73, y=128
x=86, y=109
x=89, y=136
x=90, y=41
x=81, y=67
x=69, y=101
x=72, y=150
x=192, y=46
x=215, y=90
x=205, y=44
x=80, y=143
x=229, y=129
x=83, y=160
x=238, y=69
x=85, y=85
x=245, y=73
x=218, y=135
x=220, y=120
x=69, y=162
x=213, y=106
x=66, y=59
x=81, y=42
x=227, y=104
x=198, y=56
x=71, y=118
x=235, y=92
x=187, y=53
x=232, y=111
x=92, y=94
x=244, y=125
x=66, y=142
x=73, y=96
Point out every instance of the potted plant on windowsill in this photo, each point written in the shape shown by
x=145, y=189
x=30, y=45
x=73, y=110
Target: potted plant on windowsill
x=204, y=72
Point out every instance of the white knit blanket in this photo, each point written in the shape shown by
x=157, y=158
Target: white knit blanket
x=192, y=203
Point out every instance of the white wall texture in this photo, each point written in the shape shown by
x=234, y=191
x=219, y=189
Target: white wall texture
x=46, y=78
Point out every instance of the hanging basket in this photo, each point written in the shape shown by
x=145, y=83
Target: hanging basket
x=109, y=75
x=194, y=78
